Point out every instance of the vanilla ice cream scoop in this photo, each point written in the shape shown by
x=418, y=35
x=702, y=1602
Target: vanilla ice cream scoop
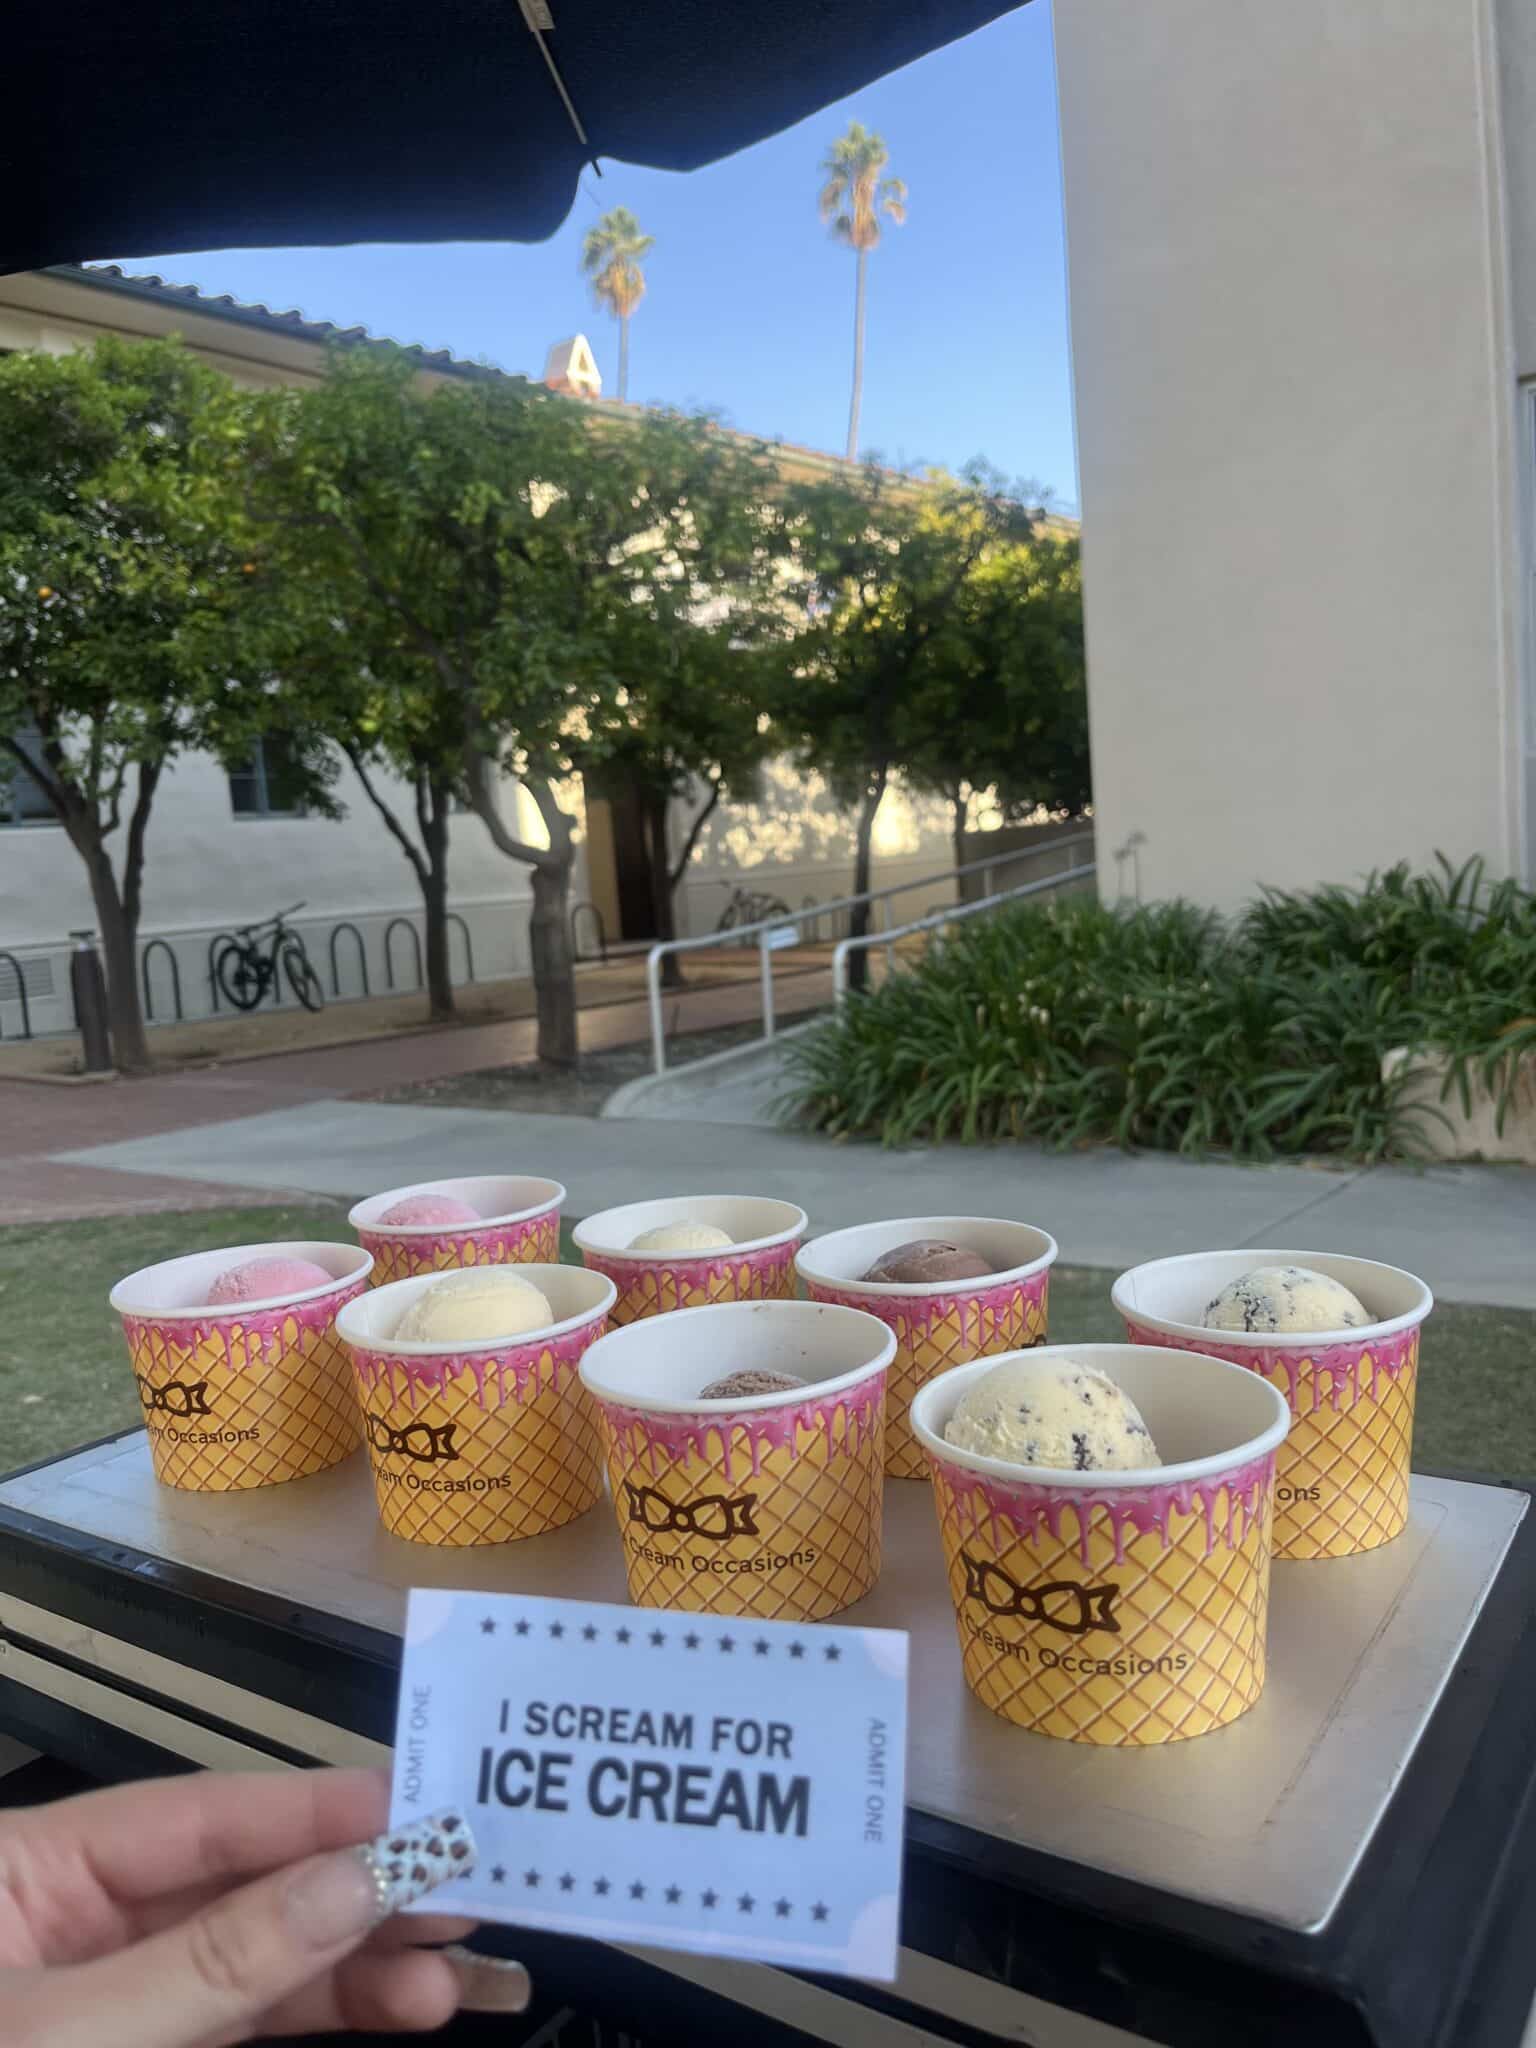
x=1051, y=1411
x=470, y=1307
x=1285, y=1299
x=681, y=1237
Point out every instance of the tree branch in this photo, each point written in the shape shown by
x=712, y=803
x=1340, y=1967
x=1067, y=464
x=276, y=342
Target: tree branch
x=53, y=791
x=423, y=813
x=694, y=830
x=560, y=825
x=396, y=829
x=482, y=801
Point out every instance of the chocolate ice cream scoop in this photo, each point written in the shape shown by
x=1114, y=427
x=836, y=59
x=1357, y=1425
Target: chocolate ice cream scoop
x=929, y=1262
x=741, y=1386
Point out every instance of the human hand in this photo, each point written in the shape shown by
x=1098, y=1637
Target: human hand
x=197, y=1911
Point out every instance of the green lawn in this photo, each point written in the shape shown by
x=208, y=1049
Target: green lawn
x=64, y=1377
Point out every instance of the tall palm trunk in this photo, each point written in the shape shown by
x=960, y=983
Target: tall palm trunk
x=858, y=360
x=623, y=356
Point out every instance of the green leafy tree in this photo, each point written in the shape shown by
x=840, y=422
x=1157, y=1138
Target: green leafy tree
x=434, y=579
x=610, y=256
x=883, y=564
x=123, y=562
x=854, y=196
x=469, y=570
x=1003, y=706
x=693, y=646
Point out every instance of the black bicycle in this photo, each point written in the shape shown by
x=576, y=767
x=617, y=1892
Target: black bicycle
x=249, y=964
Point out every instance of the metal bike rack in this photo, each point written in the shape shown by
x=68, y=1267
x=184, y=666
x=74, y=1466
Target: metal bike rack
x=362, y=955
x=401, y=924
x=21, y=994
x=469, y=949
x=602, y=930
x=218, y=939
x=159, y=946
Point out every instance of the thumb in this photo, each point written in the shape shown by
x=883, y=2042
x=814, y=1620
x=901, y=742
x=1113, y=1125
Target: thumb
x=210, y=1978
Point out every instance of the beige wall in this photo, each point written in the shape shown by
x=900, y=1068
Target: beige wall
x=1516, y=34
x=1296, y=420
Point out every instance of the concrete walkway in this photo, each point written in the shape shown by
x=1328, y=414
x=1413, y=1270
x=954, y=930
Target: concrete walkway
x=42, y=1125
x=1470, y=1231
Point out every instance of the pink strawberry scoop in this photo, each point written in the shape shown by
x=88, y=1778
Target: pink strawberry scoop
x=419, y=1210
x=266, y=1279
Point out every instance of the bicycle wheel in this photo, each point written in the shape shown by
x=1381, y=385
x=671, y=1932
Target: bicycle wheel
x=774, y=906
x=241, y=974
x=727, y=917
x=302, y=978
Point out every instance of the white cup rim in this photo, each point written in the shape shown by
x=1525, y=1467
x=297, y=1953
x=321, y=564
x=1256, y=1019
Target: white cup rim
x=882, y=1341
x=1300, y=1341
x=399, y=1294
x=943, y=1390
x=807, y=1267
x=359, y=1219
x=587, y=1233
x=234, y=1255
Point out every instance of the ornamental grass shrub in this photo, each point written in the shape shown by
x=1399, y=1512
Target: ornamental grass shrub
x=1168, y=1027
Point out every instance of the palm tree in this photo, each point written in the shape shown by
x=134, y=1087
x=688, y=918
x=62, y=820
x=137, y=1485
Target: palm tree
x=851, y=203
x=610, y=256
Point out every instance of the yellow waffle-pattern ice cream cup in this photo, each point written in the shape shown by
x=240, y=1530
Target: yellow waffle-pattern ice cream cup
x=1342, y=1484
x=1117, y=1608
x=768, y=1505
x=936, y=1326
x=485, y=1443
x=758, y=1264
x=246, y=1395
x=517, y=1222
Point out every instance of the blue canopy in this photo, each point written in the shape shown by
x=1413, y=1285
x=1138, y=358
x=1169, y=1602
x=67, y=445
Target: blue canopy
x=199, y=124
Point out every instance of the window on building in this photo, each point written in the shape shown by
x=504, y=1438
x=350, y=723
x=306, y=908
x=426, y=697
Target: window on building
x=268, y=783
x=21, y=801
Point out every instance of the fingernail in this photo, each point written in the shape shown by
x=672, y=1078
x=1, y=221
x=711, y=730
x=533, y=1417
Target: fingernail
x=332, y=1901
x=489, y=1983
x=405, y=1864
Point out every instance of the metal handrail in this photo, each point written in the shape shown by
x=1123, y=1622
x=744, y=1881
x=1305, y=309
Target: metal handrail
x=954, y=915
x=791, y=920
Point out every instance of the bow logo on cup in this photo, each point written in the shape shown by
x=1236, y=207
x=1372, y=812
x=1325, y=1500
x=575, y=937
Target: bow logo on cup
x=717, y=1516
x=1058, y=1603
x=176, y=1397
x=421, y=1442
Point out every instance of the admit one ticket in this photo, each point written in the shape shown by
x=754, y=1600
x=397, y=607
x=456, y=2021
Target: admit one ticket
x=690, y=1781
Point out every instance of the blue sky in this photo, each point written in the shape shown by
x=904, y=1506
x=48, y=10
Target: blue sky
x=750, y=304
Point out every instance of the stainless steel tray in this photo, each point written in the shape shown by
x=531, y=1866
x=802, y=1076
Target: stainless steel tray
x=1267, y=1818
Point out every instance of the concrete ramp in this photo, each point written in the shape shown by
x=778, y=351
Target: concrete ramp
x=738, y=1086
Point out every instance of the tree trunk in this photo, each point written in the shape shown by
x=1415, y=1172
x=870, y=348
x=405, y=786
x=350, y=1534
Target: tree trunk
x=623, y=356
x=119, y=958
x=434, y=896
x=858, y=919
x=554, y=969
x=549, y=926
x=663, y=909
x=429, y=864
x=858, y=359
x=961, y=801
